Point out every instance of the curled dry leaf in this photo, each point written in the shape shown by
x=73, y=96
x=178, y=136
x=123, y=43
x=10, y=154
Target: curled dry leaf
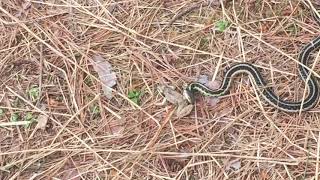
x=213, y=84
x=106, y=75
x=42, y=122
x=234, y=165
x=203, y=79
x=116, y=126
x=214, y=2
x=213, y=101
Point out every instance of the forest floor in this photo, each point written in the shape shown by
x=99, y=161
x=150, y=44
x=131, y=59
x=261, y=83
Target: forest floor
x=63, y=117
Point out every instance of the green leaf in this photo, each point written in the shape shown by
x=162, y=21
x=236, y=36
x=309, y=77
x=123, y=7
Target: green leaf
x=134, y=96
x=29, y=117
x=1, y=112
x=16, y=102
x=88, y=81
x=14, y=117
x=34, y=93
x=95, y=109
x=204, y=41
x=135, y=100
x=222, y=25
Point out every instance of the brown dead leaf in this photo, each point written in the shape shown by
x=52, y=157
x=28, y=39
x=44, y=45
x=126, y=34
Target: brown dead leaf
x=214, y=2
x=265, y=26
x=53, y=103
x=107, y=77
x=214, y=84
x=287, y=11
x=42, y=122
x=213, y=101
x=234, y=165
x=116, y=126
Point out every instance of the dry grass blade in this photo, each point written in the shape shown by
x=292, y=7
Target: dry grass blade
x=47, y=74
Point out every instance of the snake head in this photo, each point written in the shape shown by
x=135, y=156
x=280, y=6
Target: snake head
x=188, y=95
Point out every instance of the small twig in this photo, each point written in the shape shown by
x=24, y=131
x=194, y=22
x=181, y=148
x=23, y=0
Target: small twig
x=186, y=11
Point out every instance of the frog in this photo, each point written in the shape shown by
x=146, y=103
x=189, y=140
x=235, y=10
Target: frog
x=183, y=107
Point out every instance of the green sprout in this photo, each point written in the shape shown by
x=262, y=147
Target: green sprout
x=95, y=109
x=1, y=112
x=222, y=25
x=134, y=96
x=34, y=93
x=14, y=117
x=29, y=117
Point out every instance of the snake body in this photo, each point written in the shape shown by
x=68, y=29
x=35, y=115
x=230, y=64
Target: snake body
x=267, y=93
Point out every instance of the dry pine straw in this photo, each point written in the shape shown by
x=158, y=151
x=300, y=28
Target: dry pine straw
x=49, y=45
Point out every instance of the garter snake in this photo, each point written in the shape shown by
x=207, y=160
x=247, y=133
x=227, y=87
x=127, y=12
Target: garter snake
x=267, y=93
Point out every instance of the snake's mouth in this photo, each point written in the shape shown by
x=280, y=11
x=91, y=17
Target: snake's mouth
x=189, y=96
